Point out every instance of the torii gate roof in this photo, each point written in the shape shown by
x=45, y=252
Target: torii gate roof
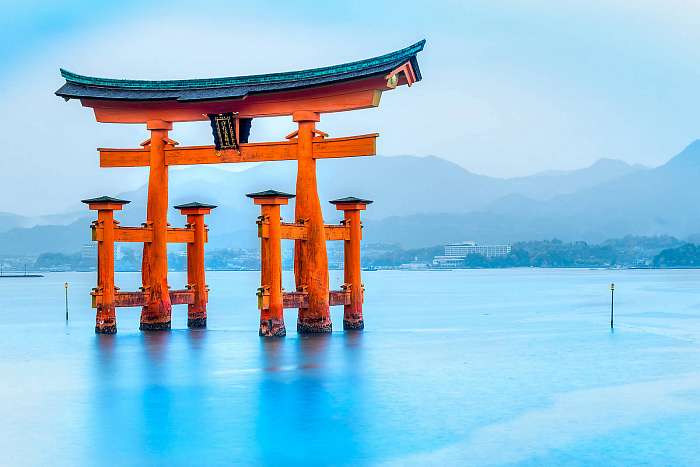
x=186, y=100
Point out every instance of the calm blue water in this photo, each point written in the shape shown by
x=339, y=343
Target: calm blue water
x=504, y=367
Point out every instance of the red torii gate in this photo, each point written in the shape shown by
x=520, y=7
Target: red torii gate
x=303, y=95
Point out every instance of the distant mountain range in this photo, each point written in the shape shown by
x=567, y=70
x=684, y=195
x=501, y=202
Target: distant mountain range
x=421, y=201
x=639, y=202
x=9, y=221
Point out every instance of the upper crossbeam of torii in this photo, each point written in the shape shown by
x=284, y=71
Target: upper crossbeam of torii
x=303, y=95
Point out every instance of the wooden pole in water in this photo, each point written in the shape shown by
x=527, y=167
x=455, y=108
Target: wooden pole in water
x=66, y=287
x=273, y=264
x=106, y=319
x=105, y=292
x=196, y=274
x=351, y=207
x=612, y=304
x=270, y=233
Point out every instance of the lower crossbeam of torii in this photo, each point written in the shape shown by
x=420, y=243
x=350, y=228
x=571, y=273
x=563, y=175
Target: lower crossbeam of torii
x=231, y=104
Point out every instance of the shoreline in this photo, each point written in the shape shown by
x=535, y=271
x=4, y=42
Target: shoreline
x=379, y=269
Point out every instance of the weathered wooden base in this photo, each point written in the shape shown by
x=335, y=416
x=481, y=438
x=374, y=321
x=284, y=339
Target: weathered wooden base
x=156, y=315
x=164, y=326
x=106, y=319
x=105, y=329
x=272, y=328
x=196, y=323
x=353, y=324
x=314, y=325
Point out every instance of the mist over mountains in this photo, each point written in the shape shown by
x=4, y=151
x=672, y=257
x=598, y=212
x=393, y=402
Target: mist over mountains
x=419, y=201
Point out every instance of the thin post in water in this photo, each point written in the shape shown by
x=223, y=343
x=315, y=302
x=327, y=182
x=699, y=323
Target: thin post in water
x=65, y=286
x=612, y=304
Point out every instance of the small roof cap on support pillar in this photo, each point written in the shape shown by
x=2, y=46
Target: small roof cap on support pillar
x=195, y=204
x=270, y=197
x=104, y=199
x=270, y=194
x=350, y=203
x=351, y=200
x=105, y=203
x=195, y=207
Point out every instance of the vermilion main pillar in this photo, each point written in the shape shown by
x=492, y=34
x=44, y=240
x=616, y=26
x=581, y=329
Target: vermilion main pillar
x=156, y=314
x=310, y=257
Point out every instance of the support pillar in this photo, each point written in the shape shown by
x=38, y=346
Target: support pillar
x=196, y=275
x=104, y=293
x=310, y=256
x=156, y=314
x=351, y=207
x=270, y=232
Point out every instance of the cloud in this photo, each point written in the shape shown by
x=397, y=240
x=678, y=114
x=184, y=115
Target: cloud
x=508, y=90
x=49, y=145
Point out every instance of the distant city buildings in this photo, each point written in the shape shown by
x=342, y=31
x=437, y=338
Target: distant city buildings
x=455, y=253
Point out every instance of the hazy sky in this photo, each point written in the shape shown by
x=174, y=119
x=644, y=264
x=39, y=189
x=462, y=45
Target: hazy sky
x=510, y=87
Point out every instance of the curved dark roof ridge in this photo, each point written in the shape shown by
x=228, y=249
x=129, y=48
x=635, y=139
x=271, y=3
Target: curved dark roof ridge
x=79, y=86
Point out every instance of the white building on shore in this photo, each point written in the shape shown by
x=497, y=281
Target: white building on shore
x=455, y=253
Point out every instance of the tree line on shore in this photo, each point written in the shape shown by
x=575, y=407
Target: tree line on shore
x=629, y=251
